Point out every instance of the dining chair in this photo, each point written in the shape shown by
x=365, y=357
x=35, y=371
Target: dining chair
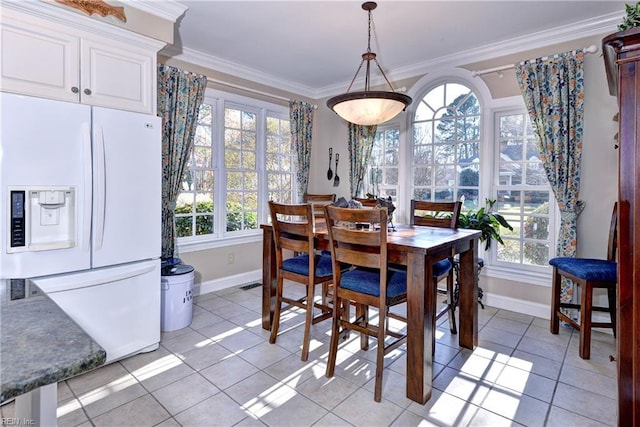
x=588, y=274
x=293, y=230
x=445, y=215
x=369, y=283
x=318, y=201
x=327, y=198
x=367, y=202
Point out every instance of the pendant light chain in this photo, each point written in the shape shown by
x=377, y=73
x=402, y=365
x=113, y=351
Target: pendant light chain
x=367, y=75
x=369, y=107
x=369, y=33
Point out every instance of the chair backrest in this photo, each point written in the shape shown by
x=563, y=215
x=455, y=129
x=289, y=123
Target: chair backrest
x=318, y=201
x=293, y=228
x=613, y=234
x=326, y=198
x=352, y=239
x=435, y=214
x=367, y=203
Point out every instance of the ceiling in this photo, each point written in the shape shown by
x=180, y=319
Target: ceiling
x=314, y=47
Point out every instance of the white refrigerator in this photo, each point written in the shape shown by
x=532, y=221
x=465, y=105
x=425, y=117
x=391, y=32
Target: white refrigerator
x=80, y=191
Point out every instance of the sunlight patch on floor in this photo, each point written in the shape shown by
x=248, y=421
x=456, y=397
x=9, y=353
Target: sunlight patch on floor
x=104, y=391
x=157, y=367
x=269, y=399
x=224, y=335
x=69, y=407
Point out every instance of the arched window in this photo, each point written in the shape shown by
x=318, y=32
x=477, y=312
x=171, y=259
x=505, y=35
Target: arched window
x=446, y=145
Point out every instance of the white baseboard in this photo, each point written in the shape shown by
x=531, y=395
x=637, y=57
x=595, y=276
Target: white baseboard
x=518, y=305
x=227, y=282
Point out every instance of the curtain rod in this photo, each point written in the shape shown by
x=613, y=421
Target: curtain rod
x=591, y=49
x=246, y=89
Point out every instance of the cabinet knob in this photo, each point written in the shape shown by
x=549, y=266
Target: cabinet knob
x=87, y=91
x=75, y=89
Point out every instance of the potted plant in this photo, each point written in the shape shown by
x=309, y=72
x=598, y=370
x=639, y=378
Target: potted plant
x=487, y=221
x=632, y=19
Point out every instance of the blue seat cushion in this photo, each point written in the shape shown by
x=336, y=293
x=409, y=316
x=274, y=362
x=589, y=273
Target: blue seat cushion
x=367, y=281
x=300, y=265
x=441, y=267
x=587, y=269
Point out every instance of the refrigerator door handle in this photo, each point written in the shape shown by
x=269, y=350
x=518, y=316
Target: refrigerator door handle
x=86, y=209
x=101, y=187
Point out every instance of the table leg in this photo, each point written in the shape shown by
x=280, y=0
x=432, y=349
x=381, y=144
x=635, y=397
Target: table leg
x=468, y=333
x=268, y=277
x=420, y=323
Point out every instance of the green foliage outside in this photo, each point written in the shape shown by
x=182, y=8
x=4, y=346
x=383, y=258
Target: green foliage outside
x=204, y=223
x=235, y=217
x=537, y=228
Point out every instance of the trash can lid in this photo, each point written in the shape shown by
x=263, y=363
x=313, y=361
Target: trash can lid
x=170, y=262
x=176, y=270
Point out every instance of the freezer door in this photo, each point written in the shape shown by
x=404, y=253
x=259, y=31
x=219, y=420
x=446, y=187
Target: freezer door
x=45, y=145
x=127, y=187
x=119, y=307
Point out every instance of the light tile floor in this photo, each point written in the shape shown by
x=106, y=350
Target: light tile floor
x=222, y=371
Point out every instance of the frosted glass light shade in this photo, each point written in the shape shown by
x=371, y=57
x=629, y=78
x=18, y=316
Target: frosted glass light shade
x=369, y=107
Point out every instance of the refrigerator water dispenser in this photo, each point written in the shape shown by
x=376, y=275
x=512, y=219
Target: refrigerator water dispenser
x=41, y=218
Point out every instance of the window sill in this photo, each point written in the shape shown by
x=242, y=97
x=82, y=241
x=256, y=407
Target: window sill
x=206, y=244
x=518, y=275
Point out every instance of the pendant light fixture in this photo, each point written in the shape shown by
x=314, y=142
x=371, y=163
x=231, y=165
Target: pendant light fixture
x=369, y=107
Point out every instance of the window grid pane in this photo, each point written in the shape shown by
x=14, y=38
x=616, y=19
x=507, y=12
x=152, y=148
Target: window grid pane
x=240, y=153
x=523, y=193
x=446, y=146
x=279, y=164
x=194, y=210
x=382, y=175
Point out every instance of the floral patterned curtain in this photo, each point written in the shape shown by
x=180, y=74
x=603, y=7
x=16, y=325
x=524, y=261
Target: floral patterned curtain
x=180, y=94
x=360, y=144
x=553, y=90
x=301, y=118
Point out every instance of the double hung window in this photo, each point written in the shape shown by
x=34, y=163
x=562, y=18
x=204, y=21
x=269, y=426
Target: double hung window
x=522, y=191
x=242, y=158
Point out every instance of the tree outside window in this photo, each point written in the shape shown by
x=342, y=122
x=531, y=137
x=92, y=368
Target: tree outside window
x=446, y=146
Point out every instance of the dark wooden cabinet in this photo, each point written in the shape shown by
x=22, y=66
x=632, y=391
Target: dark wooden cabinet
x=622, y=59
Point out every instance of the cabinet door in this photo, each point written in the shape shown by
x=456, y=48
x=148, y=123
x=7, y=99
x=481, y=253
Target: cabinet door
x=39, y=61
x=117, y=76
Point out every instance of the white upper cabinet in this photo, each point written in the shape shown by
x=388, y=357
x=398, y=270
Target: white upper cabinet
x=112, y=67
x=40, y=62
x=117, y=76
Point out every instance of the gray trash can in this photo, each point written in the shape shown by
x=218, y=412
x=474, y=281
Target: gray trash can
x=177, y=297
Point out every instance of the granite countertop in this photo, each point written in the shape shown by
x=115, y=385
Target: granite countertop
x=39, y=343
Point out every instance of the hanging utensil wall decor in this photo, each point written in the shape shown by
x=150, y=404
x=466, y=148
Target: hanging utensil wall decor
x=330, y=172
x=336, y=180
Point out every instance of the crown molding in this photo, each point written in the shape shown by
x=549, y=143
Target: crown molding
x=222, y=65
x=586, y=28
x=167, y=9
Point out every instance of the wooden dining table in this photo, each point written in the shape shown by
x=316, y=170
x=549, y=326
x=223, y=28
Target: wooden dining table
x=418, y=248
